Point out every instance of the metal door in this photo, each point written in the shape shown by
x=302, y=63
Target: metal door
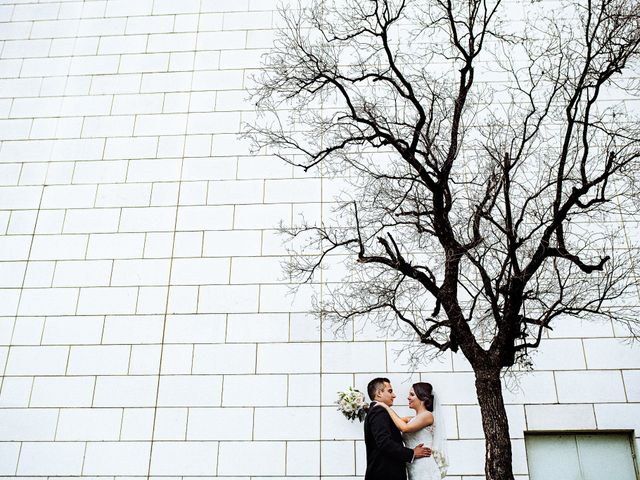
x=598, y=456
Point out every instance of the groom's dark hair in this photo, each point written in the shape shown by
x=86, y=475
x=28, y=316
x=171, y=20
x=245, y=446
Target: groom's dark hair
x=375, y=385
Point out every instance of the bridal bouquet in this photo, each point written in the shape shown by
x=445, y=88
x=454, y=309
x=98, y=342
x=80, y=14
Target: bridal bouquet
x=351, y=404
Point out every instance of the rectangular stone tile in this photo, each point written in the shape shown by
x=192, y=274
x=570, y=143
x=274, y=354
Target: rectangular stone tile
x=184, y=458
x=531, y=387
x=138, y=329
x=107, y=300
x=281, y=298
x=49, y=458
x=145, y=360
x=170, y=424
x=72, y=330
x=205, y=217
x=59, y=247
x=37, y=360
x=304, y=390
x=116, y=245
x=128, y=148
x=220, y=424
x=16, y=198
x=336, y=427
x=147, y=272
x=618, y=416
x=353, y=357
x=268, y=458
x=124, y=8
x=261, y=216
x=285, y=423
x=195, y=328
x=62, y=392
x=132, y=458
x=272, y=391
x=234, y=243
x=144, y=62
x=590, y=386
x=254, y=327
x=108, y=126
x=125, y=391
x=250, y=270
x=89, y=424
x=118, y=44
x=228, y=299
x=560, y=417
x=338, y=458
x=200, y=271
x=190, y=390
x=149, y=219
x=137, y=424
x=16, y=391
x=177, y=359
x=208, y=168
x=77, y=273
x=550, y=350
x=14, y=248
x=611, y=353
x=137, y=103
x=303, y=458
x=98, y=360
x=9, y=452
x=147, y=24
x=276, y=358
x=103, y=171
x=28, y=424
x=27, y=331
x=217, y=358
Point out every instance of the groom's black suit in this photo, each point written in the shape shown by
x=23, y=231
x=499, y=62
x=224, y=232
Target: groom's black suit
x=386, y=454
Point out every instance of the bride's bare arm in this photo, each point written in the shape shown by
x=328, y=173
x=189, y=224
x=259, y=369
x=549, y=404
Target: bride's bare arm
x=422, y=420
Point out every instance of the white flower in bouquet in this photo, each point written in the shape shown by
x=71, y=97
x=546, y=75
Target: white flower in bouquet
x=352, y=404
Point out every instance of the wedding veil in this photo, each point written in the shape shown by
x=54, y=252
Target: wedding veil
x=440, y=454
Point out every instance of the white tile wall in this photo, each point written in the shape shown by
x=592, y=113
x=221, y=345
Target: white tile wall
x=144, y=313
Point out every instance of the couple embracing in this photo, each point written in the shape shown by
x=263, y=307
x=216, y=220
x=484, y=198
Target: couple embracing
x=396, y=445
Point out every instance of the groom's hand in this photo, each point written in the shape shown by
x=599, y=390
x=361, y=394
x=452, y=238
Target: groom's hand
x=420, y=451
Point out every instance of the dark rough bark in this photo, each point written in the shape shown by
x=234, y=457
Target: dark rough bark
x=495, y=425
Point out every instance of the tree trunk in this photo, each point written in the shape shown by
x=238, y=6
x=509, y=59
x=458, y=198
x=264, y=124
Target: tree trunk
x=495, y=425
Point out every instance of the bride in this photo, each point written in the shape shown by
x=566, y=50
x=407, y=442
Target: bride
x=422, y=428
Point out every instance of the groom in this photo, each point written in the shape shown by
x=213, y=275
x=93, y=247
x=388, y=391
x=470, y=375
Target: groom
x=386, y=454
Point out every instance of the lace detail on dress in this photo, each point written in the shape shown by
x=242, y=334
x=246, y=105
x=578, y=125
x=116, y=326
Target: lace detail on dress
x=422, y=468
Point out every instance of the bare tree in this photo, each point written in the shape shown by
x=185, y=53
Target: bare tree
x=489, y=163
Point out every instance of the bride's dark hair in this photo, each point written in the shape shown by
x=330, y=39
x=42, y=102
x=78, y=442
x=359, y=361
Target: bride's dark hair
x=424, y=391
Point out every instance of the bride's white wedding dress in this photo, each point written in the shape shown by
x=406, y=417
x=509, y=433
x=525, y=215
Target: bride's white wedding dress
x=422, y=468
